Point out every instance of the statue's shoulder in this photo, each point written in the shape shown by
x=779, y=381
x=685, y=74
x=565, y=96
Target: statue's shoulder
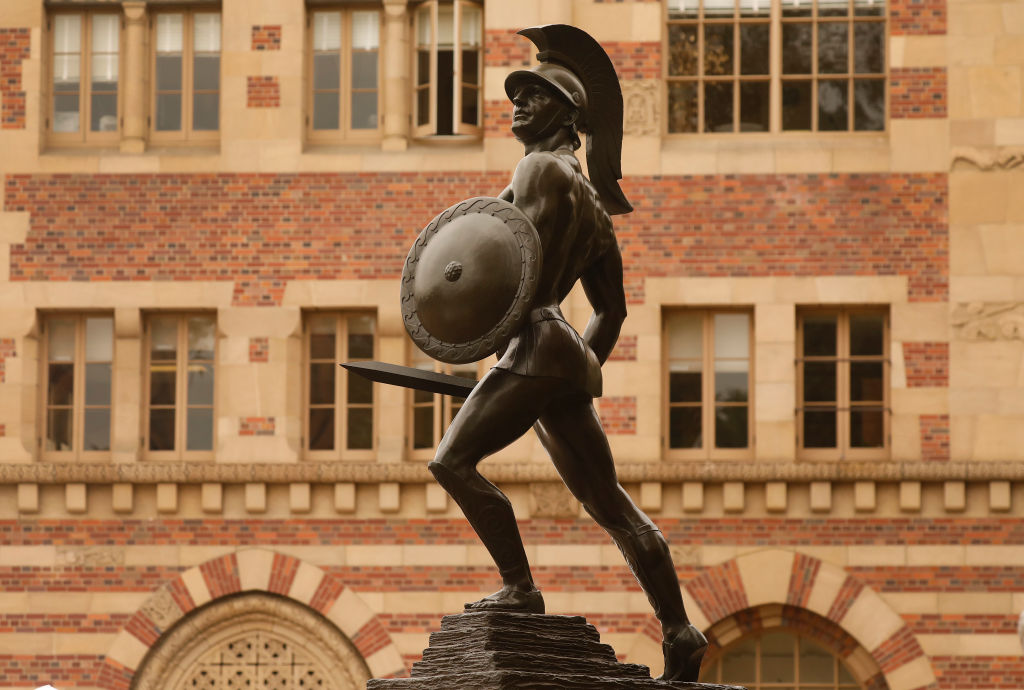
x=546, y=168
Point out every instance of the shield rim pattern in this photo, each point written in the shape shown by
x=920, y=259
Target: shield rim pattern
x=530, y=255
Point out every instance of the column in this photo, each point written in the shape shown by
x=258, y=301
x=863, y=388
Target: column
x=396, y=69
x=133, y=131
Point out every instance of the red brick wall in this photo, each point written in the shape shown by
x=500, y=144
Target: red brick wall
x=263, y=92
x=6, y=351
x=635, y=60
x=14, y=47
x=259, y=349
x=618, y=414
x=934, y=436
x=267, y=37
x=625, y=349
x=917, y=17
x=917, y=92
x=262, y=230
x=927, y=364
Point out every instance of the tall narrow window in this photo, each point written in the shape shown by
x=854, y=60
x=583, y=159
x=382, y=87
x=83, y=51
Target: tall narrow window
x=448, y=68
x=843, y=381
x=432, y=413
x=340, y=406
x=85, y=72
x=708, y=383
x=79, y=355
x=346, y=74
x=181, y=353
x=186, y=78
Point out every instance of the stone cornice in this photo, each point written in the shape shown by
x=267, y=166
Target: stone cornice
x=413, y=473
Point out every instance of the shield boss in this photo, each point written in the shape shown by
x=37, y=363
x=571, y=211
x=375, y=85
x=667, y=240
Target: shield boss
x=469, y=280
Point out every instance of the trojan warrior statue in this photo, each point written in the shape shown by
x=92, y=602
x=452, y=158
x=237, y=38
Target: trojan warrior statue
x=489, y=274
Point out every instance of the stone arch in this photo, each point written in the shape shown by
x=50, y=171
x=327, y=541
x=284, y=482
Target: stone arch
x=791, y=579
x=251, y=570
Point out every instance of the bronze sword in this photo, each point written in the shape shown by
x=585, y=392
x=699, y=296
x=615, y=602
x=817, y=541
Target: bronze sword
x=410, y=377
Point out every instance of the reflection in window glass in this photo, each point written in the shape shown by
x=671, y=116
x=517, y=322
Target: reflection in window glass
x=182, y=380
x=79, y=369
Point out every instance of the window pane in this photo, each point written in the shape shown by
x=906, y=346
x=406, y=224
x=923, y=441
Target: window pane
x=869, y=8
x=816, y=664
x=845, y=677
x=104, y=72
x=833, y=47
x=168, y=112
x=325, y=111
x=685, y=336
x=423, y=24
x=833, y=8
x=445, y=27
x=754, y=113
x=97, y=384
x=470, y=109
x=796, y=8
x=819, y=382
x=869, y=47
x=103, y=116
x=739, y=665
x=327, y=71
x=65, y=113
x=61, y=384
x=360, y=390
x=866, y=334
x=731, y=427
x=719, y=9
x=732, y=335
x=207, y=73
x=326, y=30
x=61, y=340
x=754, y=49
x=718, y=50
x=364, y=70
x=820, y=336
x=682, y=50
x=97, y=429
x=777, y=656
x=423, y=427
x=423, y=106
x=163, y=338
x=832, y=105
x=731, y=381
x=360, y=337
x=162, y=383
x=321, y=339
x=683, y=9
x=169, y=33
x=66, y=72
x=867, y=429
x=472, y=26
x=99, y=339
x=58, y=429
x=206, y=33
x=819, y=429
x=321, y=429
x=471, y=67
x=423, y=396
x=200, y=384
x=682, y=107
x=199, y=435
x=321, y=383
x=67, y=33
x=105, y=33
x=755, y=8
x=201, y=338
x=161, y=429
x=364, y=110
x=684, y=427
x=684, y=383
x=168, y=72
x=365, y=31
x=360, y=428
x=205, y=111
x=796, y=48
x=866, y=382
x=869, y=108
x=718, y=106
x=796, y=105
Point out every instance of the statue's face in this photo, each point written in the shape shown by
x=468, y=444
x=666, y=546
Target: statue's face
x=538, y=112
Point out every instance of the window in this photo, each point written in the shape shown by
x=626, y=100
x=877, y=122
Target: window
x=779, y=660
x=186, y=76
x=181, y=353
x=346, y=73
x=448, y=68
x=722, y=76
x=708, y=383
x=339, y=419
x=842, y=383
x=85, y=76
x=433, y=413
x=78, y=358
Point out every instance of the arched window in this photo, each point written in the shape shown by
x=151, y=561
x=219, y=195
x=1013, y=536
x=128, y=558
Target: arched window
x=778, y=659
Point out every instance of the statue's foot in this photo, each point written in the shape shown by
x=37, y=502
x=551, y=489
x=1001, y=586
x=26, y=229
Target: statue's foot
x=510, y=598
x=683, y=653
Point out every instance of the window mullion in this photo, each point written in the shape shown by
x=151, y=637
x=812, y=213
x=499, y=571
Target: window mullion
x=78, y=399
x=708, y=366
x=340, y=384
x=775, y=67
x=843, y=388
x=181, y=381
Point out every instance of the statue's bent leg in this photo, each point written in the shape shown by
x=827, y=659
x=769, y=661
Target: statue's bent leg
x=572, y=434
x=500, y=409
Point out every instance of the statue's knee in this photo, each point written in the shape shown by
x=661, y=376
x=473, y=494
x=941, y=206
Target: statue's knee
x=446, y=475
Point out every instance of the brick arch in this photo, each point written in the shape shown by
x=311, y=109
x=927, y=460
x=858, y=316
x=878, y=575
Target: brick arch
x=251, y=570
x=799, y=581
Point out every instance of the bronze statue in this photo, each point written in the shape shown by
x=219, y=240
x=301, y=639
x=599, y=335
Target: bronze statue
x=488, y=275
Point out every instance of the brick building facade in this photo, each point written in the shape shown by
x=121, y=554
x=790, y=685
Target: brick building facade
x=817, y=393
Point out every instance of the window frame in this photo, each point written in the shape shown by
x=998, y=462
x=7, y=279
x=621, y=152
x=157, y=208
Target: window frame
x=429, y=128
x=78, y=405
x=187, y=134
x=345, y=132
x=84, y=136
x=444, y=407
x=181, y=405
x=843, y=449
x=708, y=403
x=775, y=75
x=340, y=450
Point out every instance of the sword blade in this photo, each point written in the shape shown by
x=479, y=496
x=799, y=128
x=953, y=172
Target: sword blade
x=409, y=377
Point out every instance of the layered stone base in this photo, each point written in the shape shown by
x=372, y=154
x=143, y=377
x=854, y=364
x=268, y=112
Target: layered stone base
x=501, y=651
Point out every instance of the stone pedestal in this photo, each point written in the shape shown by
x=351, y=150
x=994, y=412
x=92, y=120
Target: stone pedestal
x=502, y=651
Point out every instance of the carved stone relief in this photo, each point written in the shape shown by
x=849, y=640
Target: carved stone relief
x=640, y=107
x=551, y=499
x=1002, y=158
x=90, y=556
x=162, y=609
x=989, y=321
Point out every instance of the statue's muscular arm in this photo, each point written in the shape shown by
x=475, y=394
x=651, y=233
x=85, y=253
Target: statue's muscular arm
x=602, y=282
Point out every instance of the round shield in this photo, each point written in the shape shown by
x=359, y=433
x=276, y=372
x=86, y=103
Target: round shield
x=469, y=280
